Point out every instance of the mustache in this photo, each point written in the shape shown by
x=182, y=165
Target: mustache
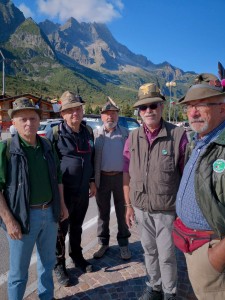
x=196, y=120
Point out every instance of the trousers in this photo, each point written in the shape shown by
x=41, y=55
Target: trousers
x=207, y=283
x=43, y=232
x=77, y=205
x=159, y=250
x=111, y=185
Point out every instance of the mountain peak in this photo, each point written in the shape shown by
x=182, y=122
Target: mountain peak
x=10, y=17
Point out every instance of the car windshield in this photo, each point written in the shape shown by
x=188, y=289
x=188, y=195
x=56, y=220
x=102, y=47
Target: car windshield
x=93, y=122
x=41, y=127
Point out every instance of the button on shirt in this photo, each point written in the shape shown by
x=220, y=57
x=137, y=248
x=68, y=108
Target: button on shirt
x=186, y=203
x=112, y=152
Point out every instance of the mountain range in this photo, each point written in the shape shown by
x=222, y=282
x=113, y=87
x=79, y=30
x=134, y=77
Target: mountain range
x=49, y=58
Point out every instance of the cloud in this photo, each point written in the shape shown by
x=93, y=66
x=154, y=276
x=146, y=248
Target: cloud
x=26, y=10
x=100, y=11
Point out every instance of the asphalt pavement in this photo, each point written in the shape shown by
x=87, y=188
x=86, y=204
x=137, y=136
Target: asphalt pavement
x=114, y=278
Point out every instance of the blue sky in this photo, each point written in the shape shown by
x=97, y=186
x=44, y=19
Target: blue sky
x=186, y=33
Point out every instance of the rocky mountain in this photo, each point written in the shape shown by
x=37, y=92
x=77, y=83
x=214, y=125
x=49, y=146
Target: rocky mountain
x=85, y=54
x=10, y=18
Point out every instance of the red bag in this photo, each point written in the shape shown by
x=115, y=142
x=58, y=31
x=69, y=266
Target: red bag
x=188, y=240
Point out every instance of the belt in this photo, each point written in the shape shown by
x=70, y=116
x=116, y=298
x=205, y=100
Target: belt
x=110, y=173
x=42, y=206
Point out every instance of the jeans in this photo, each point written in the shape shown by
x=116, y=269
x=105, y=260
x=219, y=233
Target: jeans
x=43, y=232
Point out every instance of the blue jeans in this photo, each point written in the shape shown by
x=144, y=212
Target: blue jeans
x=43, y=232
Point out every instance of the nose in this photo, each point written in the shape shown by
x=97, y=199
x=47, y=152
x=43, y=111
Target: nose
x=193, y=111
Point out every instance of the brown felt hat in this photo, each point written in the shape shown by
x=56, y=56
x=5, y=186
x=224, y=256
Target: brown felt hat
x=110, y=105
x=23, y=104
x=206, y=86
x=149, y=93
x=69, y=100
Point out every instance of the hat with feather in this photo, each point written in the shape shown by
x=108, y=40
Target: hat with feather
x=110, y=105
x=206, y=86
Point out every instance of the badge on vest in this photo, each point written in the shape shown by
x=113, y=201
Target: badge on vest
x=164, y=152
x=219, y=165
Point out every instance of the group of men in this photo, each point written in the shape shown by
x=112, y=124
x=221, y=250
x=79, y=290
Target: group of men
x=157, y=174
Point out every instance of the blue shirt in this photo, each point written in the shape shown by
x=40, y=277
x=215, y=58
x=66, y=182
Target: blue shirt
x=186, y=205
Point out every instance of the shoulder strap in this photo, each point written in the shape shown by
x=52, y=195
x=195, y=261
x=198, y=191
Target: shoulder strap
x=55, y=132
x=8, y=143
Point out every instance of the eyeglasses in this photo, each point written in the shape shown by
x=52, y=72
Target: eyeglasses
x=151, y=106
x=199, y=107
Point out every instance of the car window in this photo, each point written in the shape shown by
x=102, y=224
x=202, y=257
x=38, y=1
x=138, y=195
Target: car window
x=132, y=125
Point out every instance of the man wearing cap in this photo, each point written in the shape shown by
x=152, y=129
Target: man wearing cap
x=153, y=163
x=75, y=145
x=109, y=143
x=29, y=214
x=200, y=203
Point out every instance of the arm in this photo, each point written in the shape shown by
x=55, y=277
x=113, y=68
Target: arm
x=129, y=209
x=93, y=189
x=216, y=256
x=126, y=185
x=12, y=226
x=64, y=212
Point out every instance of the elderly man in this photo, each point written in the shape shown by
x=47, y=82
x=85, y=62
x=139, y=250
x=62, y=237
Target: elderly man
x=109, y=143
x=201, y=196
x=154, y=155
x=30, y=213
x=74, y=142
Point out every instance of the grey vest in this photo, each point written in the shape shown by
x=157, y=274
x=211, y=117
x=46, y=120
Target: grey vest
x=154, y=170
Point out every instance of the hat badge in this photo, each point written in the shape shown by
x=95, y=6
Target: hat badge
x=145, y=89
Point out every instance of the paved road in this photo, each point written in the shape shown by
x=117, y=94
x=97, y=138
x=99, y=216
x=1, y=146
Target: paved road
x=89, y=235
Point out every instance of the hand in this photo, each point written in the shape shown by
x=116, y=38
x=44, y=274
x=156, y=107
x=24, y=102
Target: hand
x=129, y=216
x=64, y=212
x=93, y=189
x=216, y=256
x=14, y=229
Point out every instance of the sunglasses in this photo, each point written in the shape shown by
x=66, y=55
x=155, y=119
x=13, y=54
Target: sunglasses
x=151, y=106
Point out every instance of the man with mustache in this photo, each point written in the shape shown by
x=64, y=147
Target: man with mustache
x=154, y=156
x=109, y=143
x=200, y=201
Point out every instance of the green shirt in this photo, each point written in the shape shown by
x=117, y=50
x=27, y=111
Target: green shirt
x=40, y=186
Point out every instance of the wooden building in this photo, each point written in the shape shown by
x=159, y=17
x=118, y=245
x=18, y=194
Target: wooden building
x=6, y=104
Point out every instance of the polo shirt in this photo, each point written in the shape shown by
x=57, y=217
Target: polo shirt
x=40, y=186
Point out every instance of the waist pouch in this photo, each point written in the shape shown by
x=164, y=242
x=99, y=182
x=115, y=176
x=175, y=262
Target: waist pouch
x=188, y=240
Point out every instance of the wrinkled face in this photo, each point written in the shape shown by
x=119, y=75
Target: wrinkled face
x=202, y=118
x=110, y=118
x=151, y=114
x=73, y=116
x=26, y=122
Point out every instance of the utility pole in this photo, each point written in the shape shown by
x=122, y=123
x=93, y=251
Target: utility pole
x=3, y=73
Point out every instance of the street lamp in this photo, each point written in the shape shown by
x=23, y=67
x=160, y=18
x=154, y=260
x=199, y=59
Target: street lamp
x=3, y=73
x=170, y=84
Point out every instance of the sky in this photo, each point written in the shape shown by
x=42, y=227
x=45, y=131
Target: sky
x=186, y=33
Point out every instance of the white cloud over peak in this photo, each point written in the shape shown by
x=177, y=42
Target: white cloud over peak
x=26, y=10
x=101, y=11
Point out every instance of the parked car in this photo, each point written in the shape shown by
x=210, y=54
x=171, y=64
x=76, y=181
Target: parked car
x=45, y=126
x=95, y=121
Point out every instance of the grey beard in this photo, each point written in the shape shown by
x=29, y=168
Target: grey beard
x=110, y=125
